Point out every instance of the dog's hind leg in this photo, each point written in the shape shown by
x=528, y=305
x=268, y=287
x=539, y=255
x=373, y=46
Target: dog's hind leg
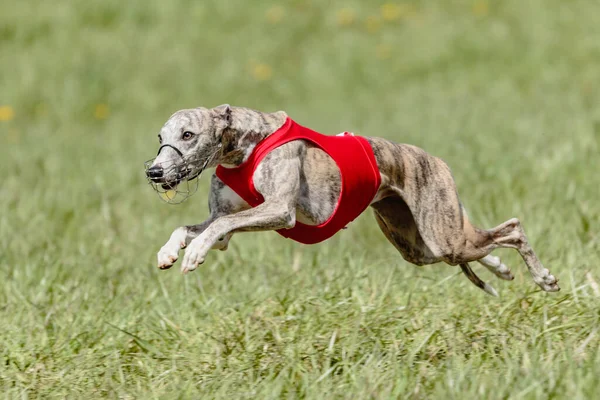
x=496, y=267
x=439, y=228
x=476, y=280
x=510, y=234
x=397, y=224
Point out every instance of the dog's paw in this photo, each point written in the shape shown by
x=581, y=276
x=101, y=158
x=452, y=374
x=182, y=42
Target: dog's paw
x=548, y=282
x=503, y=272
x=496, y=267
x=194, y=256
x=167, y=256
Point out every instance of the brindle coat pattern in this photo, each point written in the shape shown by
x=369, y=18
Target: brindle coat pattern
x=417, y=206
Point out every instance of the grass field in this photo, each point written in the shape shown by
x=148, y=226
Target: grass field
x=508, y=93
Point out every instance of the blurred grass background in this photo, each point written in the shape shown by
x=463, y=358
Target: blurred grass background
x=506, y=92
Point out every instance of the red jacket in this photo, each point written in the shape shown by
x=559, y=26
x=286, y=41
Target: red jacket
x=358, y=169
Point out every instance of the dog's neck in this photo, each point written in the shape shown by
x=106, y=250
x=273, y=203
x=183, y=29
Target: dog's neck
x=248, y=127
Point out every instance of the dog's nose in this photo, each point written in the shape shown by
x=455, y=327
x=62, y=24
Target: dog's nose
x=155, y=172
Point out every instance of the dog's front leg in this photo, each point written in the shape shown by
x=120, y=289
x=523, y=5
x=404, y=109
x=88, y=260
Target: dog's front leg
x=169, y=253
x=265, y=217
x=277, y=178
x=222, y=201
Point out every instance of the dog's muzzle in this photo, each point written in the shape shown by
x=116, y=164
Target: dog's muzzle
x=172, y=180
x=175, y=182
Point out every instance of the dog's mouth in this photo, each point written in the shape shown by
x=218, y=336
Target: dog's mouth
x=170, y=186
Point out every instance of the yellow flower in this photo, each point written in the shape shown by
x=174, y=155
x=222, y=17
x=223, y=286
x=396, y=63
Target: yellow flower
x=275, y=14
x=346, y=16
x=262, y=72
x=372, y=24
x=6, y=113
x=481, y=8
x=102, y=111
x=383, y=51
x=392, y=12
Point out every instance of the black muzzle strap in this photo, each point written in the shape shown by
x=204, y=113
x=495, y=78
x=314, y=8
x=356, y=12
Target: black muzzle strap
x=173, y=147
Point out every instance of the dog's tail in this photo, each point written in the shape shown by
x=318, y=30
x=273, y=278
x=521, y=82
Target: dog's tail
x=476, y=281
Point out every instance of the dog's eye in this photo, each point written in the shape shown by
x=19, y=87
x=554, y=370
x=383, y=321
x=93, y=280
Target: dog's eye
x=187, y=135
x=159, y=139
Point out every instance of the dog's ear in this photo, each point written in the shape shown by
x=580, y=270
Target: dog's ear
x=224, y=133
x=222, y=115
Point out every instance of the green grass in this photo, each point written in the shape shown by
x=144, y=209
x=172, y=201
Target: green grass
x=507, y=93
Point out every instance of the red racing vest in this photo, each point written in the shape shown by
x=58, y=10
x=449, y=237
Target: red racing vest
x=358, y=171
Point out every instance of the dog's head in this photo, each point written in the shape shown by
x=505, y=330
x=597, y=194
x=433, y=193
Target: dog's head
x=190, y=141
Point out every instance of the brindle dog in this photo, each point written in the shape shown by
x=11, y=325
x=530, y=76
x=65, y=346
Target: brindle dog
x=416, y=206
